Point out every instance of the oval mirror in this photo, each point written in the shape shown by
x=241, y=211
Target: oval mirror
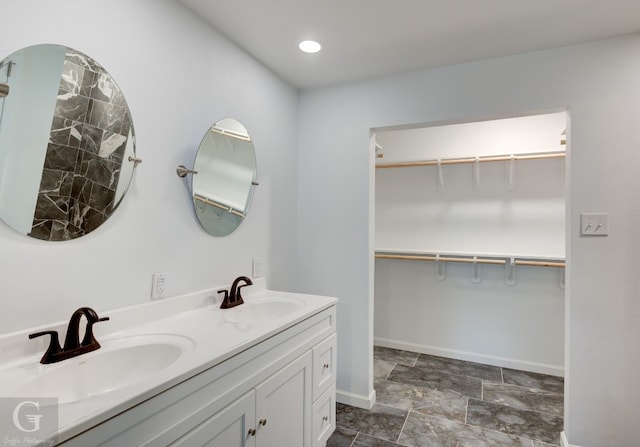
x=67, y=144
x=224, y=177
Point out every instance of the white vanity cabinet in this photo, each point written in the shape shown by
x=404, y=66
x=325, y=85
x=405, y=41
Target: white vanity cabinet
x=274, y=414
x=280, y=392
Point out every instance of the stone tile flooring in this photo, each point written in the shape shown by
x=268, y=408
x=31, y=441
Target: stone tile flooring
x=428, y=401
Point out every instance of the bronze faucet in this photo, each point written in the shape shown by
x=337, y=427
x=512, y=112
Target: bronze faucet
x=72, y=345
x=233, y=298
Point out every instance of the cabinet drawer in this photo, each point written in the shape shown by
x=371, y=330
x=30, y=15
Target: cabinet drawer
x=324, y=417
x=324, y=365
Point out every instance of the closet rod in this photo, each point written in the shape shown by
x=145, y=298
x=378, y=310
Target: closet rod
x=558, y=264
x=453, y=161
x=443, y=259
x=469, y=260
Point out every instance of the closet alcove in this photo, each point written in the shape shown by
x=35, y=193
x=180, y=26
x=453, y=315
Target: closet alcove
x=470, y=241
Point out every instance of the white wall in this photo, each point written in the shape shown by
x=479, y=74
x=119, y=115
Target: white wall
x=489, y=322
x=529, y=220
x=179, y=76
x=519, y=326
x=600, y=84
x=515, y=135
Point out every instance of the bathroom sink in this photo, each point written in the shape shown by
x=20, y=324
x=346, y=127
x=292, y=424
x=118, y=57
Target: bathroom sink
x=261, y=309
x=117, y=364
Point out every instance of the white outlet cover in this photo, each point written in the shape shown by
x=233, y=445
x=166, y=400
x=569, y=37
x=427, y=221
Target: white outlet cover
x=158, y=286
x=257, y=267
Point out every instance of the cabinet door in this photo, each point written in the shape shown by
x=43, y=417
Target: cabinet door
x=283, y=407
x=231, y=427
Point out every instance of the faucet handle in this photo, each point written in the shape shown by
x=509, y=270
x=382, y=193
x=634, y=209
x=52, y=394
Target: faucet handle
x=54, y=334
x=225, y=301
x=89, y=339
x=54, y=345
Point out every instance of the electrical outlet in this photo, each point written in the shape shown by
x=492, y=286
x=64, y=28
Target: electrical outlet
x=158, y=285
x=257, y=268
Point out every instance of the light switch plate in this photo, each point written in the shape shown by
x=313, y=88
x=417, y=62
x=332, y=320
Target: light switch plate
x=594, y=224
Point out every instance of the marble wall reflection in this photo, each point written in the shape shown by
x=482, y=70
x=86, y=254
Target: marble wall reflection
x=89, y=133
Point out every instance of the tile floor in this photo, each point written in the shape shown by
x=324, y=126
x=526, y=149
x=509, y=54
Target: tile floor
x=428, y=401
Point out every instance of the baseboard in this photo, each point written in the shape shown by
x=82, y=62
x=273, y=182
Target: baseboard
x=541, y=368
x=356, y=400
x=564, y=442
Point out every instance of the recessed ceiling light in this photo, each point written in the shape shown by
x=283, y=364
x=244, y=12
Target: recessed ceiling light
x=309, y=46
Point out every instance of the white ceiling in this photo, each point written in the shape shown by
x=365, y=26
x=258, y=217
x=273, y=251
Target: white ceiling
x=367, y=38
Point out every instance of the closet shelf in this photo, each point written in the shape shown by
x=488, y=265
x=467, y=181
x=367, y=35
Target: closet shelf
x=414, y=255
x=451, y=161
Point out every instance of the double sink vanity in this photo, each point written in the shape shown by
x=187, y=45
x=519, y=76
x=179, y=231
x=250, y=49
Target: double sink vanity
x=180, y=371
x=183, y=371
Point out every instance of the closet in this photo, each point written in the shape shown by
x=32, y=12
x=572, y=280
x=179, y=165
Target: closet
x=470, y=241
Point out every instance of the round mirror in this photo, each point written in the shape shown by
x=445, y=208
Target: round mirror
x=224, y=177
x=67, y=145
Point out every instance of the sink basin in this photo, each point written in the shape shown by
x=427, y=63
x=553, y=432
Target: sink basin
x=117, y=364
x=262, y=309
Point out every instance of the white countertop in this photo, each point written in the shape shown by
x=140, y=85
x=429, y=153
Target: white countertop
x=209, y=337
